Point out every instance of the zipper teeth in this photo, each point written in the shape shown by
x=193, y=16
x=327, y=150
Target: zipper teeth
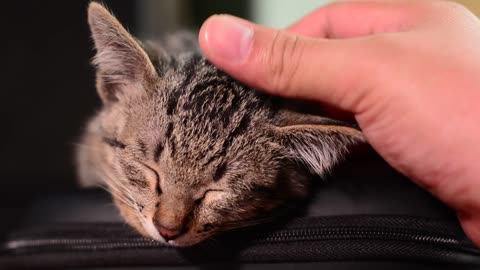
x=307, y=234
x=84, y=243
x=355, y=233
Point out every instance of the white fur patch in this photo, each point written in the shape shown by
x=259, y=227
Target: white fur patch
x=152, y=230
x=319, y=154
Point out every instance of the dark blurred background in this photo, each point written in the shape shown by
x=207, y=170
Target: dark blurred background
x=47, y=87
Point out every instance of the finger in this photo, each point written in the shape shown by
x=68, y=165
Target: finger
x=359, y=18
x=289, y=65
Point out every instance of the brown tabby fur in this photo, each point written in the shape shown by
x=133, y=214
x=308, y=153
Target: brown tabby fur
x=182, y=146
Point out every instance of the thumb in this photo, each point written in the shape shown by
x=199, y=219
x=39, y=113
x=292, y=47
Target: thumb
x=281, y=63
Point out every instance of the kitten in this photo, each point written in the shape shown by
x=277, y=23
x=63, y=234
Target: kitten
x=186, y=151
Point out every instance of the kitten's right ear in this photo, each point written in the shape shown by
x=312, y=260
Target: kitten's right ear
x=122, y=64
x=317, y=142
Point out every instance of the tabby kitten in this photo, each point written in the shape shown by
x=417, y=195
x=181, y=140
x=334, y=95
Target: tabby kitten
x=186, y=151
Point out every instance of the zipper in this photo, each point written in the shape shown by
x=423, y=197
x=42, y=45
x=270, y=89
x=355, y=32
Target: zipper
x=310, y=239
x=350, y=233
x=311, y=234
x=83, y=244
x=355, y=233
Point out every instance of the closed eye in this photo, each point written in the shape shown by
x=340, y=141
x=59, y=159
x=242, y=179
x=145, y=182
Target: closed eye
x=157, y=178
x=207, y=192
x=113, y=142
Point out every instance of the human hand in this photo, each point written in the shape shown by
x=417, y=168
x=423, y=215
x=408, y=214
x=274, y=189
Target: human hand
x=409, y=71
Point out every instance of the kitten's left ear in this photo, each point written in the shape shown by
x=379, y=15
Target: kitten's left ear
x=319, y=143
x=120, y=60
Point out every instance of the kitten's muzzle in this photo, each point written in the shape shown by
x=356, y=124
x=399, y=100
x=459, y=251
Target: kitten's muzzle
x=167, y=233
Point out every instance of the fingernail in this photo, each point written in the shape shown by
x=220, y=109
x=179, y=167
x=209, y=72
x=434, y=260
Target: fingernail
x=228, y=38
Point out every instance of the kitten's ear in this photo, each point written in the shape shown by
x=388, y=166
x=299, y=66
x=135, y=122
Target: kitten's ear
x=319, y=143
x=122, y=64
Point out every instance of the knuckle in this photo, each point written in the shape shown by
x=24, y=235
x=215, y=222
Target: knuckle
x=282, y=62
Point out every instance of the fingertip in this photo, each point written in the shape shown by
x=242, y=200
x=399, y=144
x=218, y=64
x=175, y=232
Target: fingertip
x=203, y=35
x=226, y=39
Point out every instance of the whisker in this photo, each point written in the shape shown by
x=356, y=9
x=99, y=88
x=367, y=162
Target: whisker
x=131, y=202
x=83, y=145
x=113, y=185
x=246, y=223
x=118, y=190
x=119, y=198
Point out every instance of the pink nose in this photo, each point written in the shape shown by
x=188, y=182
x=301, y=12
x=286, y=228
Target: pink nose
x=166, y=233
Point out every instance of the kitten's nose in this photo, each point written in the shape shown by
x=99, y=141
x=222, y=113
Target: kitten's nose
x=167, y=233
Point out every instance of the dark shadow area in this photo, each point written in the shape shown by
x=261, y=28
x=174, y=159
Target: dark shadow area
x=47, y=94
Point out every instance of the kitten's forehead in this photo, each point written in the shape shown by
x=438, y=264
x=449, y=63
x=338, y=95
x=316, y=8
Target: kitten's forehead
x=207, y=111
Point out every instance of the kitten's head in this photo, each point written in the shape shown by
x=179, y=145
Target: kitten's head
x=186, y=151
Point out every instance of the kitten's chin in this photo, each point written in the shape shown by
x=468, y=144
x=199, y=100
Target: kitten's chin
x=186, y=241
x=148, y=230
x=190, y=238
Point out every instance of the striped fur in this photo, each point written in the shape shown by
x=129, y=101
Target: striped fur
x=183, y=146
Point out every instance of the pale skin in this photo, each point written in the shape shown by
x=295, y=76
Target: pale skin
x=408, y=71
